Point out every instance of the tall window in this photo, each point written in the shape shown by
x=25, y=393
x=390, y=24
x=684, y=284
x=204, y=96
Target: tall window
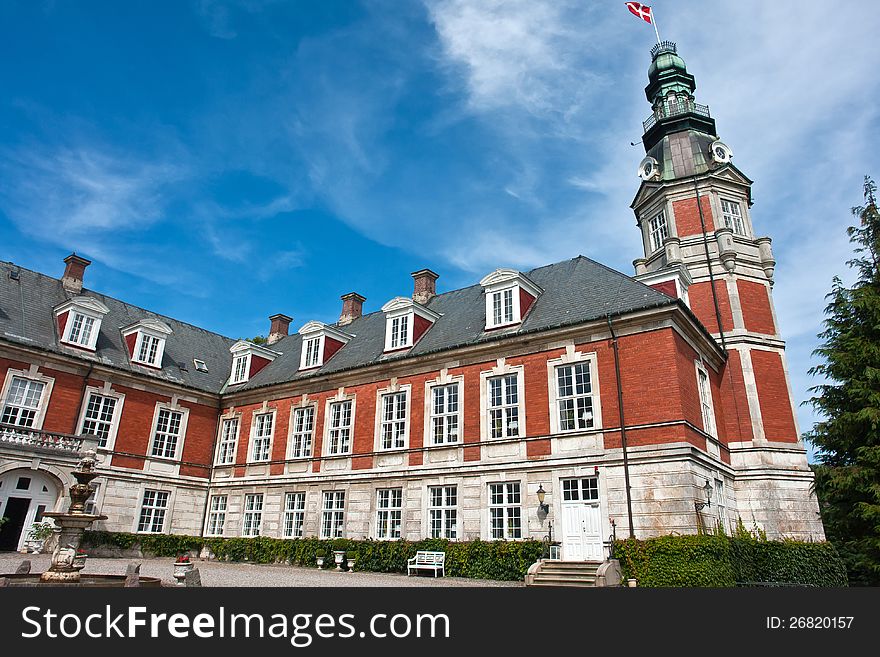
x=228, y=439
x=443, y=511
x=149, y=349
x=22, y=402
x=502, y=307
x=98, y=417
x=720, y=506
x=240, y=369
x=733, y=216
x=253, y=515
x=706, y=402
x=658, y=230
x=81, y=328
x=262, y=441
x=303, y=430
x=399, y=332
x=167, y=434
x=312, y=357
x=503, y=406
x=505, y=511
x=444, y=414
x=153, y=508
x=332, y=514
x=389, y=513
x=294, y=514
x=393, y=426
x=574, y=395
x=216, y=516
x=340, y=427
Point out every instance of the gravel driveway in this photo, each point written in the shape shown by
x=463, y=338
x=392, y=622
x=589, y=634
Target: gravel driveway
x=216, y=573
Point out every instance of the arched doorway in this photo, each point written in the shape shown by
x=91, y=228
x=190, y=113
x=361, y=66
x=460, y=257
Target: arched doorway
x=25, y=495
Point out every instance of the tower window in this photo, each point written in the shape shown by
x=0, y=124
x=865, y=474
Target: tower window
x=659, y=230
x=733, y=216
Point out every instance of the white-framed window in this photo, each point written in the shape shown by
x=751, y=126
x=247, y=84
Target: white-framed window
x=733, y=218
x=393, y=422
x=505, y=511
x=445, y=415
x=23, y=402
x=81, y=329
x=168, y=432
x=216, y=516
x=228, y=443
x=311, y=356
x=509, y=294
x=79, y=321
x=574, y=396
x=389, y=513
x=333, y=514
x=443, y=511
x=503, y=403
x=153, y=509
x=100, y=417
x=148, y=346
x=147, y=349
x=502, y=307
x=261, y=436
x=706, y=407
x=302, y=432
x=658, y=230
x=339, y=427
x=252, y=521
x=399, y=332
x=720, y=504
x=240, y=369
x=580, y=490
x=294, y=515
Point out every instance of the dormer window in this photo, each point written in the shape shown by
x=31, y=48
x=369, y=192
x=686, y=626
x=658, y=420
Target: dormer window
x=509, y=295
x=319, y=343
x=146, y=341
x=79, y=321
x=405, y=322
x=248, y=359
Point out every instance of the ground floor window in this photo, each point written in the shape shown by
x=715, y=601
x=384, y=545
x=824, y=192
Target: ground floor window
x=253, y=515
x=153, y=508
x=389, y=513
x=505, y=512
x=443, y=511
x=216, y=515
x=332, y=515
x=294, y=514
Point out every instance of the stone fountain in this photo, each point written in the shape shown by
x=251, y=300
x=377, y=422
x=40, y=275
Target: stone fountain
x=73, y=523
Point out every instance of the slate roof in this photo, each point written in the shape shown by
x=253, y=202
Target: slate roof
x=574, y=291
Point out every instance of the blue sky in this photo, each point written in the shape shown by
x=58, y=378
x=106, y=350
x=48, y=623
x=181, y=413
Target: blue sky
x=221, y=161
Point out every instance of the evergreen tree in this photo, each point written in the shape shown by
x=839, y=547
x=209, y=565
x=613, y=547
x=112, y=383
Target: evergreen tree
x=848, y=436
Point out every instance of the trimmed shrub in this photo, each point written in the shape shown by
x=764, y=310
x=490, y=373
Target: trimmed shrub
x=499, y=560
x=719, y=561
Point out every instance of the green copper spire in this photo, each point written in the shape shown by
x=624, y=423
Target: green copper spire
x=670, y=91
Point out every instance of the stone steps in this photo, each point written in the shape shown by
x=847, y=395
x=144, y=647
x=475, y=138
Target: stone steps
x=563, y=573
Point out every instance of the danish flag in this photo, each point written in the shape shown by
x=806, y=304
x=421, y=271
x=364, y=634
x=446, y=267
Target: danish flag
x=640, y=10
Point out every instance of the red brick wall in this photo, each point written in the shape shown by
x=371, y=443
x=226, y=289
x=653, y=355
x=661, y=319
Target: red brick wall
x=525, y=302
x=737, y=418
x=703, y=305
x=773, y=396
x=755, y=302
x=257, y=363
x=687, y=216
x=420, y=326
x=331, y=346
x=667, y=288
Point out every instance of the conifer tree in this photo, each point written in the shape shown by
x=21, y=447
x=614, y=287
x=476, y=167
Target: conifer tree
x=848, y=401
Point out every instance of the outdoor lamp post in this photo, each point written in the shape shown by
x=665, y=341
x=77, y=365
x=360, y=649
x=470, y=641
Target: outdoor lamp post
x=541, y=505
x=707, y=489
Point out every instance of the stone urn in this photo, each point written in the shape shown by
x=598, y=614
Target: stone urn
x=181, y=568
x=320, y=559
x=338, y=557
x=350, y=559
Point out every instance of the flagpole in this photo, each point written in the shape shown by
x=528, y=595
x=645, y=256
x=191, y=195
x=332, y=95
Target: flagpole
x=654, y=23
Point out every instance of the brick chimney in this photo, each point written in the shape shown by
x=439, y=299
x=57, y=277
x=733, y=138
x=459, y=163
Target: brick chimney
x=73, y=273
x=424, y=285
x=279, y=328
x=352, y=307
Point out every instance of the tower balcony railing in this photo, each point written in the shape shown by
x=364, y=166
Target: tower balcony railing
x=28, y=439
x=670, y=110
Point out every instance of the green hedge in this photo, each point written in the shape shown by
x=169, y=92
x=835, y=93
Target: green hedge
x=499, y=560
x=721, y=561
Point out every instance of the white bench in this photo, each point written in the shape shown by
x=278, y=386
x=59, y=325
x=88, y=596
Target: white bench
x=425, y=560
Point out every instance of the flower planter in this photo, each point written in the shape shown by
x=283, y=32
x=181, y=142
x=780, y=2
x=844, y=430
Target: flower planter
x=181, y=568
x=338, y=557
x=350, y=564
x=320, y=561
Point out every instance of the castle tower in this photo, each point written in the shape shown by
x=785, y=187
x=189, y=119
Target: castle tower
x=693, y=208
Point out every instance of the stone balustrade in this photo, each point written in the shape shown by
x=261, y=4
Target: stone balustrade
x=26, y=438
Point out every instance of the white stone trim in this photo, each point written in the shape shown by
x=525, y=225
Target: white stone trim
x=572, y=356
x=32, y=374
x=106, y=391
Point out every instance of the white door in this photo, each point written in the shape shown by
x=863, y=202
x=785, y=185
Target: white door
x=581, y=525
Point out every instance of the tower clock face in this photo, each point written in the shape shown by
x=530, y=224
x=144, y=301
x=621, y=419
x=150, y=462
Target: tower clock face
x=648, y=168
x=721, y=153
